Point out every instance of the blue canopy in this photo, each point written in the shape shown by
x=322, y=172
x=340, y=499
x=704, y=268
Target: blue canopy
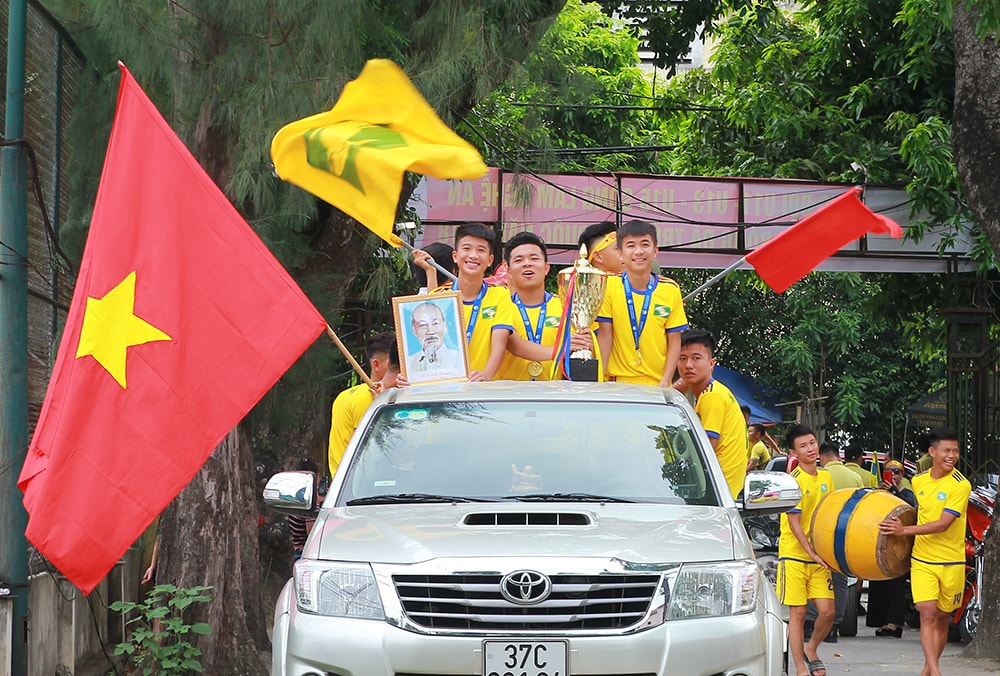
x=749, y=393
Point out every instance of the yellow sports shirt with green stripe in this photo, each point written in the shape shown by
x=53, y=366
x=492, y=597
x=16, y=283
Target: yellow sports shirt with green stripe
x=949, y=494
x=496, y=311
x=666, y=315
x=515, y=368
x=723, y=420
x=813, y=488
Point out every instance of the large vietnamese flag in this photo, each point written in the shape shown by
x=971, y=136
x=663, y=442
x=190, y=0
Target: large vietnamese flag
x=181, y=320
x=794, y=253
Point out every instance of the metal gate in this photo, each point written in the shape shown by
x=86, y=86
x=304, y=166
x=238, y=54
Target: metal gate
x=974, y=387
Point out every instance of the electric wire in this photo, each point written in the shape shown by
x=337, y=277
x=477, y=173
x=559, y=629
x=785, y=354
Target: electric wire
x=674, y=218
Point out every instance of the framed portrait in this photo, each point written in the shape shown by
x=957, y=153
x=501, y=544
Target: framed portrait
x=431, y=337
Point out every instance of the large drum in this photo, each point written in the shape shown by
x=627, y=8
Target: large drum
x=845, y=533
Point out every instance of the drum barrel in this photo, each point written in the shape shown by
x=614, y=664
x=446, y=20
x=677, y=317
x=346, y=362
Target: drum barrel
x=844, y=532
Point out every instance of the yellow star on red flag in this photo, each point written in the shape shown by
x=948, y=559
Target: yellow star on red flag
x=110, y=327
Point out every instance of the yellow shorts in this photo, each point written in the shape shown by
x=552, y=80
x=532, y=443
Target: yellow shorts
x=936, y=582
x=799, y=581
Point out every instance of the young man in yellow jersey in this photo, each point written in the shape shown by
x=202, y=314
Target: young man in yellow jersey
x=350, y=405
x=602, y=250
x=487, y=310
x=843, y=477
x=937, y=570
x=537, y=312
x=802, y=574
x=759, y=456
x=716, y=406
x=642, y=314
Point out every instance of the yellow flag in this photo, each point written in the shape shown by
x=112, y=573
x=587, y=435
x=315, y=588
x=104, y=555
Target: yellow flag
x=354, y=155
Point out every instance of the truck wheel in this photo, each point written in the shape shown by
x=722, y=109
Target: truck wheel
x=849, y=623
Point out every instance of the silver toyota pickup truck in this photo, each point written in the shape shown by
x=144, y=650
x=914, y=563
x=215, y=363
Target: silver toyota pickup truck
x=529, y=529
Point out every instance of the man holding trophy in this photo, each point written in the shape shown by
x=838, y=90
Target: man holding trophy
x=642, y=315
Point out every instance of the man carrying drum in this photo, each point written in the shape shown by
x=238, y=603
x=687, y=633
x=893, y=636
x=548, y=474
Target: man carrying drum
x=937, y=571
x=802, y=573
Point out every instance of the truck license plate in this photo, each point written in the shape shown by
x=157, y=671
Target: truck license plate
x=524, y=658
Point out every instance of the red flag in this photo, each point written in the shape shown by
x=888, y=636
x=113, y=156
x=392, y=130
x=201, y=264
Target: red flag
x=181, y=320
x=791, y=255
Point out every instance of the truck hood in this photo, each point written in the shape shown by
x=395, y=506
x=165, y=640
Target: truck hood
x=641, y=534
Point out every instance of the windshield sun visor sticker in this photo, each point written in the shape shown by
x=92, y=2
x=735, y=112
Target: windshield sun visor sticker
x=411, y=414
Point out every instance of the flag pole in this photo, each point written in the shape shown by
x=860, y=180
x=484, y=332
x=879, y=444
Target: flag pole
x=347, y=353
x=715, y=279
x=433, y=262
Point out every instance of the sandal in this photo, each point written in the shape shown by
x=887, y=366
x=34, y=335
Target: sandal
x=816, y=666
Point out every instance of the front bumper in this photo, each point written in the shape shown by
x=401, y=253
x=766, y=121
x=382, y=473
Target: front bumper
x=749, y=645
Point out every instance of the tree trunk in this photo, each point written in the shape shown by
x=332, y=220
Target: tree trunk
x=985, y=643
x=976, y=141
x=975, y=128
x=208, y=536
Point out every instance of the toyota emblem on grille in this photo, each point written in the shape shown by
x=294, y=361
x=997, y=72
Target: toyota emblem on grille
x=525, y=587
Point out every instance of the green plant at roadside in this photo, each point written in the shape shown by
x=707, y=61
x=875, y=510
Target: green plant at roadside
x=158, y=643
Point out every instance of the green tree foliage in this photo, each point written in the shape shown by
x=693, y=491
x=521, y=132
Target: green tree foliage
x=227, y=76
x=833, y=335
x=581, y=89
x=804, y=93
x=669, y=27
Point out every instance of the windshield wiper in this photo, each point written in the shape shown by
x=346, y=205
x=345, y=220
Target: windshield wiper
x=566, y=497
x=410, y=497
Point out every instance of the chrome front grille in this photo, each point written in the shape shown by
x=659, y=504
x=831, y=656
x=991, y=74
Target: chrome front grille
x=577, y=602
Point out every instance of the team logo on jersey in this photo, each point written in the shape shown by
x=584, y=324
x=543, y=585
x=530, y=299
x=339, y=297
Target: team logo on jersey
x=552, y=322
x=661, y=310
x=489, y=312
x=822, y=488
x=942, y=495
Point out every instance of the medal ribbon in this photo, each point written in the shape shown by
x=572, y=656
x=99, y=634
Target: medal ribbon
x=637, y=327
x=534, y=335
x=474, y=317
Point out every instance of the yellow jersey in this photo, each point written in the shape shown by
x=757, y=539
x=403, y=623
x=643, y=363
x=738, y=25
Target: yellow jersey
x=664, y=314
x=348, y=409
x=759, y=451
x=814, y=489
x=492, y=310
x=949, y=494
x=723, y=420
x=530, y=325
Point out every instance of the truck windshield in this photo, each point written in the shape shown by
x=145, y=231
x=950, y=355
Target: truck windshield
x=502, y=450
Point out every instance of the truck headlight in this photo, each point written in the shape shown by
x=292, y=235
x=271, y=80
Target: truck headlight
x=713, y=589
x=337, y=589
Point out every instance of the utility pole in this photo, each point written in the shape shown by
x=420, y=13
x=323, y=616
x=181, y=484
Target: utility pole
x=14, y=351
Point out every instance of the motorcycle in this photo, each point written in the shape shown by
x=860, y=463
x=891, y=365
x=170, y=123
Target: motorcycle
x=965, y=619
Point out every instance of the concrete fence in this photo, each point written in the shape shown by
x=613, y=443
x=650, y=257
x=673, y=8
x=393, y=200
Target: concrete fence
x=68, y=632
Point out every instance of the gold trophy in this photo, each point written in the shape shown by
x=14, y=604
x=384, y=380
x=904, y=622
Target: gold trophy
x=585, y=303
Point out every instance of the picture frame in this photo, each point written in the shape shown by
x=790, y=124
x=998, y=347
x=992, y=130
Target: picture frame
x=430, y=334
